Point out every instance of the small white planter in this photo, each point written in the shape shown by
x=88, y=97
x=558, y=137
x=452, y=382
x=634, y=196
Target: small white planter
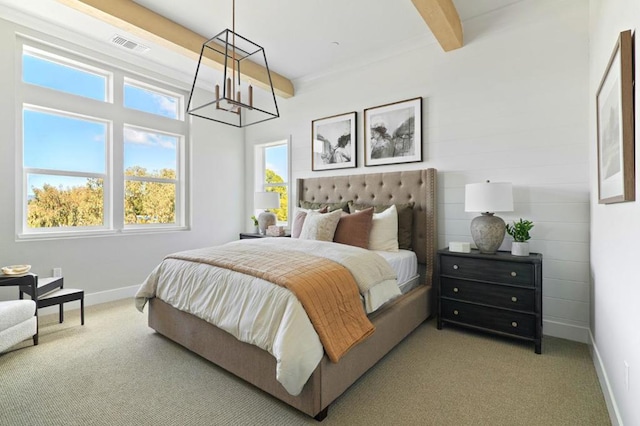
x=520, y=249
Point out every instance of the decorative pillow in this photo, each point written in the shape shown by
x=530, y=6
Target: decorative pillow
x=384, y=230
x=405, y=220
x=319, y=226
x=353, y=229
x=298, y=220
x=331, y=206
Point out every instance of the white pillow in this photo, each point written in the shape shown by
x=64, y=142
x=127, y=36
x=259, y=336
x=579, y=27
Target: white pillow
x=320, y=226
x=384, y=230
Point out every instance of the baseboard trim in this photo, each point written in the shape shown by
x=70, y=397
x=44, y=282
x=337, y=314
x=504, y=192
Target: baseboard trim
x=96, y=299
x=565, y=331
x=612, y=407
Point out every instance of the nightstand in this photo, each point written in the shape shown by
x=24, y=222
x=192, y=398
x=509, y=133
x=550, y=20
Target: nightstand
x=499, y=293
x=248, y=235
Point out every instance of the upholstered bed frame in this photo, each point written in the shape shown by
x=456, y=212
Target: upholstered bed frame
x=393, y=322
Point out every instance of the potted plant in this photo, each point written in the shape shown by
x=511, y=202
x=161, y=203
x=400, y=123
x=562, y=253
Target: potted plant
x=520, y=233
x=255, y=224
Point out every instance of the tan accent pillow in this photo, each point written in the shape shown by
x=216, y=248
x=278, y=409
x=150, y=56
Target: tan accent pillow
x=353, y=229
x=405, y=220
x=319, y=226
x=298, y=220
x=344, y=205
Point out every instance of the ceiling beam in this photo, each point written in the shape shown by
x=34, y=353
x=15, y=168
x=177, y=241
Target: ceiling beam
x=142, y=22
x=442, y=18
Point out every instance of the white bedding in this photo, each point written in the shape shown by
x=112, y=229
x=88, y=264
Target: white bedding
x=261, y=313
x=404, y=262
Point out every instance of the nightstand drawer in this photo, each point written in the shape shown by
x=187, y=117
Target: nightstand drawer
x=505, y=321
x=488, y=270
x=521, y=299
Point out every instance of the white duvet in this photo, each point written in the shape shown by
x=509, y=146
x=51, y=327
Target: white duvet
x=261, y=313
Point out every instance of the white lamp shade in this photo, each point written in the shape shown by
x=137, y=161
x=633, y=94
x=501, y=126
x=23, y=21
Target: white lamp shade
x=266, y=200
x=488, y=197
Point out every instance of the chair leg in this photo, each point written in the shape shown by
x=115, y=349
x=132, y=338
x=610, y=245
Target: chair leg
x=82, y=311
x=35, y=339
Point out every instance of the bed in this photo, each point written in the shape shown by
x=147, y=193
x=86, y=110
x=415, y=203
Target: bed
x=393, y=321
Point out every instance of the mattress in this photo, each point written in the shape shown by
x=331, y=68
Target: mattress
x=404, y=262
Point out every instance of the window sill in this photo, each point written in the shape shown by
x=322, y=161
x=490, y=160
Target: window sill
x=47, y=236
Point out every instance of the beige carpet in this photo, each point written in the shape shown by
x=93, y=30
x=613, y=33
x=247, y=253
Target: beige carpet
x=117, y=371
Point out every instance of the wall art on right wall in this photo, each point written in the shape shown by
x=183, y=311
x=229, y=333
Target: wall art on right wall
x=393, y=133
x=614, y=101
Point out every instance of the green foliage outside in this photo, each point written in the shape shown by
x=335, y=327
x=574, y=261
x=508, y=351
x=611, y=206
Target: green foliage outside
x=520, y=230
x=282, y=212
x=149, y=202
x=145, y=202
x=58, y=207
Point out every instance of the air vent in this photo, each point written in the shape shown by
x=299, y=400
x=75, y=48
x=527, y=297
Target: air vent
x=129, y=44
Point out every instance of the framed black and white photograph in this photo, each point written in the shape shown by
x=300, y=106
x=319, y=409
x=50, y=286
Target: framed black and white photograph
x=393, y=133
x=334, y=142
x=614, y=100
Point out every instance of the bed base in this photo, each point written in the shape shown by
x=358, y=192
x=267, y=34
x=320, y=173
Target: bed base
x=256, y=366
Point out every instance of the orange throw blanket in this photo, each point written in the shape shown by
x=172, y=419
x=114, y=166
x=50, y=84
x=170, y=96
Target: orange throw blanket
x=326, y=289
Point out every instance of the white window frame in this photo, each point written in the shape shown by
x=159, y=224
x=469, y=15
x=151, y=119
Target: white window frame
x=111, y=111
x=260, y=172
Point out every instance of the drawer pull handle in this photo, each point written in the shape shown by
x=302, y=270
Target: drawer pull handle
x=455, y=312
x=514, y=299
x=455, y=266
x=513, y=274
x=514, y=324
x=455, y=289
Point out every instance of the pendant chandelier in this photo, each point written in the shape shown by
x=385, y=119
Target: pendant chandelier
x=234, y=102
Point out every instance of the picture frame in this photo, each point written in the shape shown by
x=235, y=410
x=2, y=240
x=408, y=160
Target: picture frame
x=333, y=142
x=393, y=133
x=615, y=126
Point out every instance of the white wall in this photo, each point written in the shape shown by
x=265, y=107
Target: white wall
x=511, y=105
x=111, y=267
x=614, y=229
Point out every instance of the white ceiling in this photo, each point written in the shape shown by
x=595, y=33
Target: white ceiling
x=299, y=36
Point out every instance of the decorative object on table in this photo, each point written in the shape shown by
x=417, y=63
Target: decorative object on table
x=487, y=198
x=333, y=141
x=266, y=200
x=275, y=231
x=615, y=119
x=15, y=269
x=393, y=133
x=520, y=233
x=255, y=223
x=459, y=247
x=236, y=105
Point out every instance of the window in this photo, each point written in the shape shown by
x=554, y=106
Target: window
x=62, y=191
x=272, y=174
x=94, y=160
x=43, y=69
x=141, y=97
x=150, y=164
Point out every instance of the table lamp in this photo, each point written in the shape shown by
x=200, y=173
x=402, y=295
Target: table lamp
x=266, y=200
x=488, y=230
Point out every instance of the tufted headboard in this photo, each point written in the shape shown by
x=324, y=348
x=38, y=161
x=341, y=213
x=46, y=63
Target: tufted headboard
x=418, y=186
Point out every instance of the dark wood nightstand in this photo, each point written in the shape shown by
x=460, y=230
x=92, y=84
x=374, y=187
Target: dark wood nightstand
x=248, y=235
x=499, y=293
